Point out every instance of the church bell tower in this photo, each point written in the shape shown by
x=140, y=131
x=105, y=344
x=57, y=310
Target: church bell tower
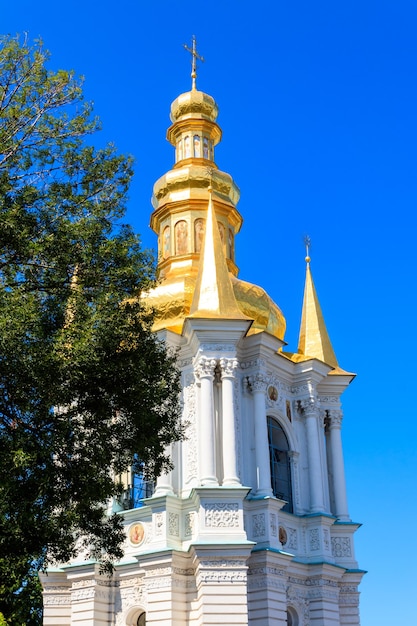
x=251, y=526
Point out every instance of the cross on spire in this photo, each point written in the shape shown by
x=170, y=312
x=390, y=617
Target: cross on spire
x=307, y=243
x=195, y=56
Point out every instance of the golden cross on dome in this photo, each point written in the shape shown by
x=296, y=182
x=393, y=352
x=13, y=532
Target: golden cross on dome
x=195, y=56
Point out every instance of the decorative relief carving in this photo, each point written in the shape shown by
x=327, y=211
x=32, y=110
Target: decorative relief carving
x=326, y=538
x=294, y=457
x=236, y=401
x=159, y=524
x=182, y=363
x=218, y=347
x=174, y=524
x=314, y=539
x=221, y=576
x=292, y=539
x=56, y=600
x=258, y=382
x=301, y=389
x=191, y=431
x=297, y=599
x=255, y=363
x=158, y=572
x=329, y=400
x=341, y=547
x=308, y=405
x=90, y=593
x=348, y=589
x=258, y=525
x=228, y=367
x=132, y=594
x=81, y=584
x=336, y=418
x=189, y=524
x=205, y=368
x=223, y=563
x=222, y=515
x=273, y=524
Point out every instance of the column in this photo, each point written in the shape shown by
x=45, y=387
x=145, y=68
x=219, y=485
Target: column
x=259, y=385
x=164, y=481
x=310, y=411
x=229, y=443
x=206, y=431
x=338, y=467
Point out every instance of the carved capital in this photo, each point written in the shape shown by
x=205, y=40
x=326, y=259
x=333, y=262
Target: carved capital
x=228, y=367
x=308, y=406
x=259, y=382
x=336, y=418
x=205, y=368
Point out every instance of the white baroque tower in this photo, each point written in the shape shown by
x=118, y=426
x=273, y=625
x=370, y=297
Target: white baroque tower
x=252, y=524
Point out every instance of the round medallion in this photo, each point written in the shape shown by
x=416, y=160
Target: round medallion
x=137, y=533
x=282, y=535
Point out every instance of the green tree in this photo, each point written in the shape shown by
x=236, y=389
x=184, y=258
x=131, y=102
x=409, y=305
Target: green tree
x=85, y=387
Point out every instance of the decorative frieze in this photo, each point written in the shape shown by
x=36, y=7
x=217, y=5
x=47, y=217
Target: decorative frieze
x=254, y=363
x=219, y=348
x=222, y=515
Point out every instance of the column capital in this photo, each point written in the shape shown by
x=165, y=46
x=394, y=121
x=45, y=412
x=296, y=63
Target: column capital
x=336, y=418
x=228, y=367
x=205, y=367
x=258, y=382
x=309, y=406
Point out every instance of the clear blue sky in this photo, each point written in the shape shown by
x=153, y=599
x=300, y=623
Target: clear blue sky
x=318, y=106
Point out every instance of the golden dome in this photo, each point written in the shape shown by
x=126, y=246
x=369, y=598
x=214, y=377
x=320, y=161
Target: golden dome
x=180, y=200
x=194, y=104
x=172, y=300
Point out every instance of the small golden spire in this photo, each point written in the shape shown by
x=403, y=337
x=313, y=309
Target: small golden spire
x=314, y=339
x=195, y=56
x=213, y=295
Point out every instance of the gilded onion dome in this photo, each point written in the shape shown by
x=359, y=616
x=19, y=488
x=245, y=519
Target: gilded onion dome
x=180, y=201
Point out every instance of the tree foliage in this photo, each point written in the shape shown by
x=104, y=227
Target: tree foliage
x=85, y=386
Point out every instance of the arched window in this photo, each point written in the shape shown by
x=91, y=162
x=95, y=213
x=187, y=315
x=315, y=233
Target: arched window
x=141, y=620
x=292, y=617
x=280, y=463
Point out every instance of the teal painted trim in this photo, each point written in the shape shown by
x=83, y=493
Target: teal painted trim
x=308, y=515
x=320, y=563
x=251, y=497
x=356, y=571
x=275, y=550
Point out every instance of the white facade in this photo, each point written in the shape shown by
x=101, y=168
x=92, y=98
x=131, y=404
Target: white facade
x=217, y=547
x=252, y=526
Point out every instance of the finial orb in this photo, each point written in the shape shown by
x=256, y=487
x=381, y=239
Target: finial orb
x=307, y=259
